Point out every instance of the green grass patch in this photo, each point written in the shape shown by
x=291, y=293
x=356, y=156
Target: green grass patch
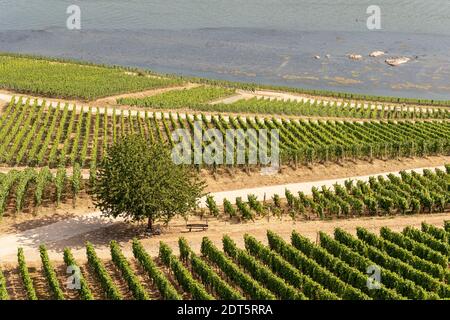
x=60, y=79
x=177, y=99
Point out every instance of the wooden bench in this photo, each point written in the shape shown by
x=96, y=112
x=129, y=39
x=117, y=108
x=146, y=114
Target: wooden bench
x=202, y=226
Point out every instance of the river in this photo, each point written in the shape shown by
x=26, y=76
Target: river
x=264, y=41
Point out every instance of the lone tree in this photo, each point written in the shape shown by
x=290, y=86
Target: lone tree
x=140, y=181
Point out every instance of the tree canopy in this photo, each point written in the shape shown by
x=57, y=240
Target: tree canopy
x=138, y=180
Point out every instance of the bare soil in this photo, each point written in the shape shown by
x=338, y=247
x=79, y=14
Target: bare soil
x=112, y=100
x=231, y=179
x=222, y=180
x=14, y=284
x=217, y=228
x=45, y=215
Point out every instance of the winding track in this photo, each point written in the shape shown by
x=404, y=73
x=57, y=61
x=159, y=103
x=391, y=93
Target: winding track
x=73, y=227
x=63, y=230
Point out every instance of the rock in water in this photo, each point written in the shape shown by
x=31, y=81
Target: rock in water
x=317, y=57
x=397, y=61
x=355, y=56
x=376, y=54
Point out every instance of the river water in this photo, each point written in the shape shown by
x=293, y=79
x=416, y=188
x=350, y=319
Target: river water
x=265, y=41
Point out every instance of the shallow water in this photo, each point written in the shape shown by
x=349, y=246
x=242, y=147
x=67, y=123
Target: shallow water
x=268, y=41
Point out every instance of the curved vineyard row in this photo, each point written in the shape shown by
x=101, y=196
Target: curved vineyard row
x=164, y=286
x=331, y=269
x=62, y=137
x=25, y=276
x=324, y=109
x=408, y=193
x=198, y=99
x=179, y=99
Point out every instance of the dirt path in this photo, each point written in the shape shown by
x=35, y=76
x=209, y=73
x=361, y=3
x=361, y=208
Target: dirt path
x=74, y=232
x=69, y=170
x=102, y=108
x=229, y=100
x=127, y=110
x=268, y=191
x=286, y=96
x=306, y=97
x=217, y=229
x=227, y=179
x=111, y=100
x=52, y=233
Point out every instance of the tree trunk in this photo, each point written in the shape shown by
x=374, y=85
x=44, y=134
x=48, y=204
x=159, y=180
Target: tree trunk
x=150, y=224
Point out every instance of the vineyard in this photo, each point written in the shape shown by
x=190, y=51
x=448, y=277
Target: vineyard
x=179, y=99
x=50, y=153
x=329, y=109
x=31, y=188
x=35, y=135
x=72, y=80
x=412, y=264
x=318, y=92
x=200, y=98
x=408, y=193
x=65, y=78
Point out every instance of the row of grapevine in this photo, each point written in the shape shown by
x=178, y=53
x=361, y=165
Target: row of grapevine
x=50, y=274
x=43, y=179
x=341, y=269
x=7, y=182
x=128, y=274
x=261, y=273
x=183, y=276
x=85, y=291
x=109, y=288
x=207, y=275
x=3, y=292
x=233, y=273
x=405, y=194
x=421, y=278
x=25, y=276
x=164, y=286
x=84, y=138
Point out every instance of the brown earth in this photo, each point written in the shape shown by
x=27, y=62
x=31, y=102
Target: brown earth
x=124, y=233
x=225, y=179
x=222, y=180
